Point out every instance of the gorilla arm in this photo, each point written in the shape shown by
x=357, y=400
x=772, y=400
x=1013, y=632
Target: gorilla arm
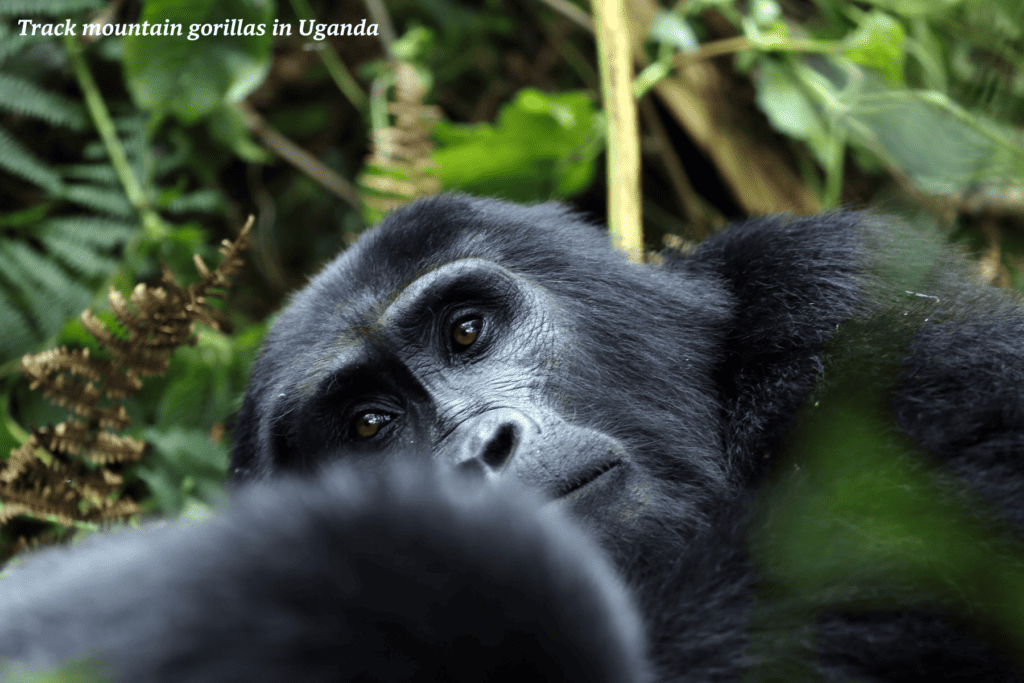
x=392, y=575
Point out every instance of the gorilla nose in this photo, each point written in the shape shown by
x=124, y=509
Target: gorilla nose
x=483, y=445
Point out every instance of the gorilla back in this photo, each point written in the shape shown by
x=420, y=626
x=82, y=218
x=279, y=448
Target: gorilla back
x=655, y=403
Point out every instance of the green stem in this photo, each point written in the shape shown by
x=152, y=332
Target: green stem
x=105, y=126
x=339, y=74
x=153, y=226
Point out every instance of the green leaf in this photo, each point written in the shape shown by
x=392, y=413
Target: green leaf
x=878, y=43
x=542, y=146
x=48, y=272
x=41, y=309
x=191, y=77
x=24, y=218
x=11, y=42
x=104, y=200
x=50, y=8
x=18, y=160
x=93, y=232
x=227, y=126
x=674, y=30
x=788, y=106
x=182, y=465
x=413, y=44
x=67, y=297
x=83, y=244
x=100, y=174
x=765, y=12
x=84, y=262
x=25, y=98
x=929, y=138
x=17, y=337
x=201, y=201
x=933, y=9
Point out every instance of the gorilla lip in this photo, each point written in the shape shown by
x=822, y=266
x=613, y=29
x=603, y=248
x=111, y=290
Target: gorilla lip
x=589, y=477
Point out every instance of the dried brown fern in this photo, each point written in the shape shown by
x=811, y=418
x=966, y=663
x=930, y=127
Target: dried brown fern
x=63, y=472
x=401, y=163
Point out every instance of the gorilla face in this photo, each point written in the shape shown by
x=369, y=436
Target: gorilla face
x=460, y=365
x=501, y=342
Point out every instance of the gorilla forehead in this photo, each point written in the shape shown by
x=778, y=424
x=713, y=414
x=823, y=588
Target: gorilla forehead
x=532, y=241
x=342, y=305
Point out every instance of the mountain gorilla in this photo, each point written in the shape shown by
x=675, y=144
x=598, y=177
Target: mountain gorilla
x=657, y=404
x=664, y=408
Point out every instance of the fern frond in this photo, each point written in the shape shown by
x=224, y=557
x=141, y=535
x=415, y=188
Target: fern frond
x=18, y=160
x=43, y=288
x=28, y=486
x=44, y=311
x=50, y=280
x=109, y=201
x=81, y=260
x=157, y=319
x=17, y=334
x=203, y=201
x=11, y=42
x=401, y=167
x=47, y=8
x=25, y=98
x=84, y=244
x=99, y=174
x=98, y=233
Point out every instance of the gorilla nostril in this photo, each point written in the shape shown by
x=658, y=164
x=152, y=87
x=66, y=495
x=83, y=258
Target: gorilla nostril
x=501, y=446
x=491, y=439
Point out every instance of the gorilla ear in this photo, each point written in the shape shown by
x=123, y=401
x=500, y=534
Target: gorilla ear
x=252, y=456
x=243, y=453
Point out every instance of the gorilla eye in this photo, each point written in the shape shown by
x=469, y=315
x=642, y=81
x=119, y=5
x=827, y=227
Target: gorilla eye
x=368, y=424
x=465, y=332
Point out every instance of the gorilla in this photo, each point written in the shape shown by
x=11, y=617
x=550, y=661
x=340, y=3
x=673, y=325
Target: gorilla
x=675, y=412
x=659, y=406
x=356, y=575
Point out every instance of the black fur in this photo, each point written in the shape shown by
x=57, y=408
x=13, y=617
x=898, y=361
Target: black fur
x=351, y=576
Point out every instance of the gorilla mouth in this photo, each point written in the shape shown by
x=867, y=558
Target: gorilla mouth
x=588, y=477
